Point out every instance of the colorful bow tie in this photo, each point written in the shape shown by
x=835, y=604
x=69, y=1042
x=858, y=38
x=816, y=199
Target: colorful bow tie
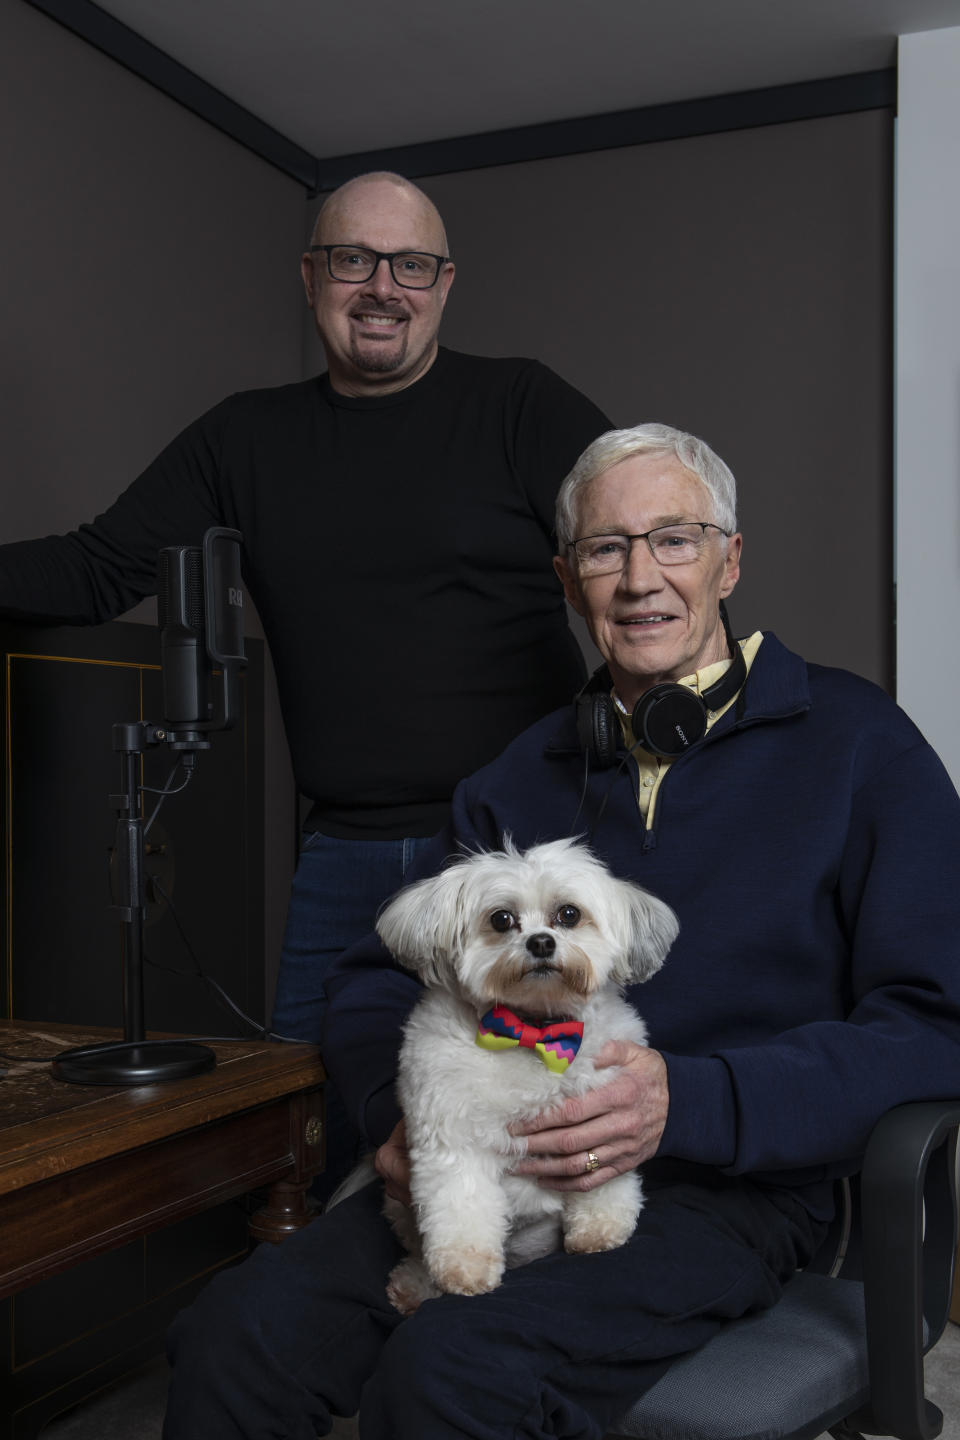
x=556, y=1044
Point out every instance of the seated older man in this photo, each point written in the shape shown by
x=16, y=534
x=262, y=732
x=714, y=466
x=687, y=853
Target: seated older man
x=807, y=838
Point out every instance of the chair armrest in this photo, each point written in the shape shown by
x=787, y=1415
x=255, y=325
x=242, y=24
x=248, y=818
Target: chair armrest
x=909, y=1219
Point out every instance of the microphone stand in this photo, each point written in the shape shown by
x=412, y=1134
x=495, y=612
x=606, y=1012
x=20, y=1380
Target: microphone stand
x=135, y=1060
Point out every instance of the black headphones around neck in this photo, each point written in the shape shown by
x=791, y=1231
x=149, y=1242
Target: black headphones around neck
x=667, y=720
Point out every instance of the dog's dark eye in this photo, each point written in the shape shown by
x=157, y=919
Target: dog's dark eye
x=568, y=915
x=502, y=920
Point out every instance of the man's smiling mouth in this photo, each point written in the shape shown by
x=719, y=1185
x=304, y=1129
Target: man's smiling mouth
x=383, y=321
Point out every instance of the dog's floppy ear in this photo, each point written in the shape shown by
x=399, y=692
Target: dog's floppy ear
x=652, y=928
x=424, y=925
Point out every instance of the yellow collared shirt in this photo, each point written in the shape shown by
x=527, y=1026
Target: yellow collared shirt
x=654, y=767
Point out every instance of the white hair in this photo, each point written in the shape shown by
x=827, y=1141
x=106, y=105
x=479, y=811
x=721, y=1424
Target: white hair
x=650, y=439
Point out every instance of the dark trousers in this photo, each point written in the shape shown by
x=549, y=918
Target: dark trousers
x=337, y=890
x=304, y=1331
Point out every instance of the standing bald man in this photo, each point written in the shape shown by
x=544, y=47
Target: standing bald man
x=397, y=517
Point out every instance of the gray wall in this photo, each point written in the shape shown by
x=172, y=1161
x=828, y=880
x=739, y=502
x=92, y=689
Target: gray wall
x=928, y=389
x=737, y=285
x=150, y=268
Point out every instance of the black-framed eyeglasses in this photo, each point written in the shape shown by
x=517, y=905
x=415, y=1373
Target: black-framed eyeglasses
x=669, y=545
x=413, y=269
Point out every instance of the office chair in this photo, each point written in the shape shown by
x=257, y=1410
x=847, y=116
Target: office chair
x=843, y=1350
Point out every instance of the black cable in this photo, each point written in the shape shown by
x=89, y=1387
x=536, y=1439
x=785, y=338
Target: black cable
x=165, y=788
x=583, y=790
x=198, y=968
x=261, y=1031
x=609, y=790
x=151, y=790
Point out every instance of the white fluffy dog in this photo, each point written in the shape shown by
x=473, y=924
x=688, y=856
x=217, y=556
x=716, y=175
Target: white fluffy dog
x=510, y=944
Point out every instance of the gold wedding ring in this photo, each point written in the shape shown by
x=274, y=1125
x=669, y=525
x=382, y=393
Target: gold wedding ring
x=593, y=1162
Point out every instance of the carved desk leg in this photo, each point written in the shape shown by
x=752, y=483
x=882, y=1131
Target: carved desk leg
x=287, y=1208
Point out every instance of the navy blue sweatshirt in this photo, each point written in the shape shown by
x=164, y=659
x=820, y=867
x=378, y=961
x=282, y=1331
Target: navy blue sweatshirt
x=809, y=846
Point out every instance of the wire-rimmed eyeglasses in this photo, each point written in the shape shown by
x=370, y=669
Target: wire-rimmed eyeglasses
x=413, y=269
x=669, y=545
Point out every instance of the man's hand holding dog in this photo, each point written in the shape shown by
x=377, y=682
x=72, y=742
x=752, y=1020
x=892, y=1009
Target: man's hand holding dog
x=621, y=1124
x=392, y=1163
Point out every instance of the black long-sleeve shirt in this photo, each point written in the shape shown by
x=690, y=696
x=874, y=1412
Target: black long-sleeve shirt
x=398, y=550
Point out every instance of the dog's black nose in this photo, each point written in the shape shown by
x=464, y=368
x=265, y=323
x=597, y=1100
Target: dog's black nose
x=541, y=945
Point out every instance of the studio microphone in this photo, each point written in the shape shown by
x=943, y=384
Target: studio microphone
x=200, y=615
x=181, y=618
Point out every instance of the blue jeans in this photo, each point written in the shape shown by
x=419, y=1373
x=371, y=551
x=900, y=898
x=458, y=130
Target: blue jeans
x=337, y=890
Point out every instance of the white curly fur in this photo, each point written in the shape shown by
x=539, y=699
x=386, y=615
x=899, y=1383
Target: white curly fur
x=471, y=1217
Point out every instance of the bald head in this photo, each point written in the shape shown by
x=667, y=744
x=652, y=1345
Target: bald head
x=386, y=190
x=378, y=335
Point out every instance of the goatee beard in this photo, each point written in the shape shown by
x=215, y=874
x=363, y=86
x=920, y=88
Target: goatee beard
x=378, y=364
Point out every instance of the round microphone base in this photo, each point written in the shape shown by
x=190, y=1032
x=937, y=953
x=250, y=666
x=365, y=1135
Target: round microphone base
x=138, y=1062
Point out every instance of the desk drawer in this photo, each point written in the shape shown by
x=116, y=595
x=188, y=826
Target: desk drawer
x=64, y=1338
x=98, y=1207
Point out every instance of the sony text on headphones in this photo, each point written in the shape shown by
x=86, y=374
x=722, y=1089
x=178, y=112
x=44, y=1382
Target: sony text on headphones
x=667, y=720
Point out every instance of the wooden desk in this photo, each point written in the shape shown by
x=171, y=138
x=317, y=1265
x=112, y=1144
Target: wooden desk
x=86, y=1168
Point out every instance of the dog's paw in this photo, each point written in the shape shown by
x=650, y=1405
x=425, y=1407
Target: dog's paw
x=408, y=1285
x=466, y=1271
x=587, y=1234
